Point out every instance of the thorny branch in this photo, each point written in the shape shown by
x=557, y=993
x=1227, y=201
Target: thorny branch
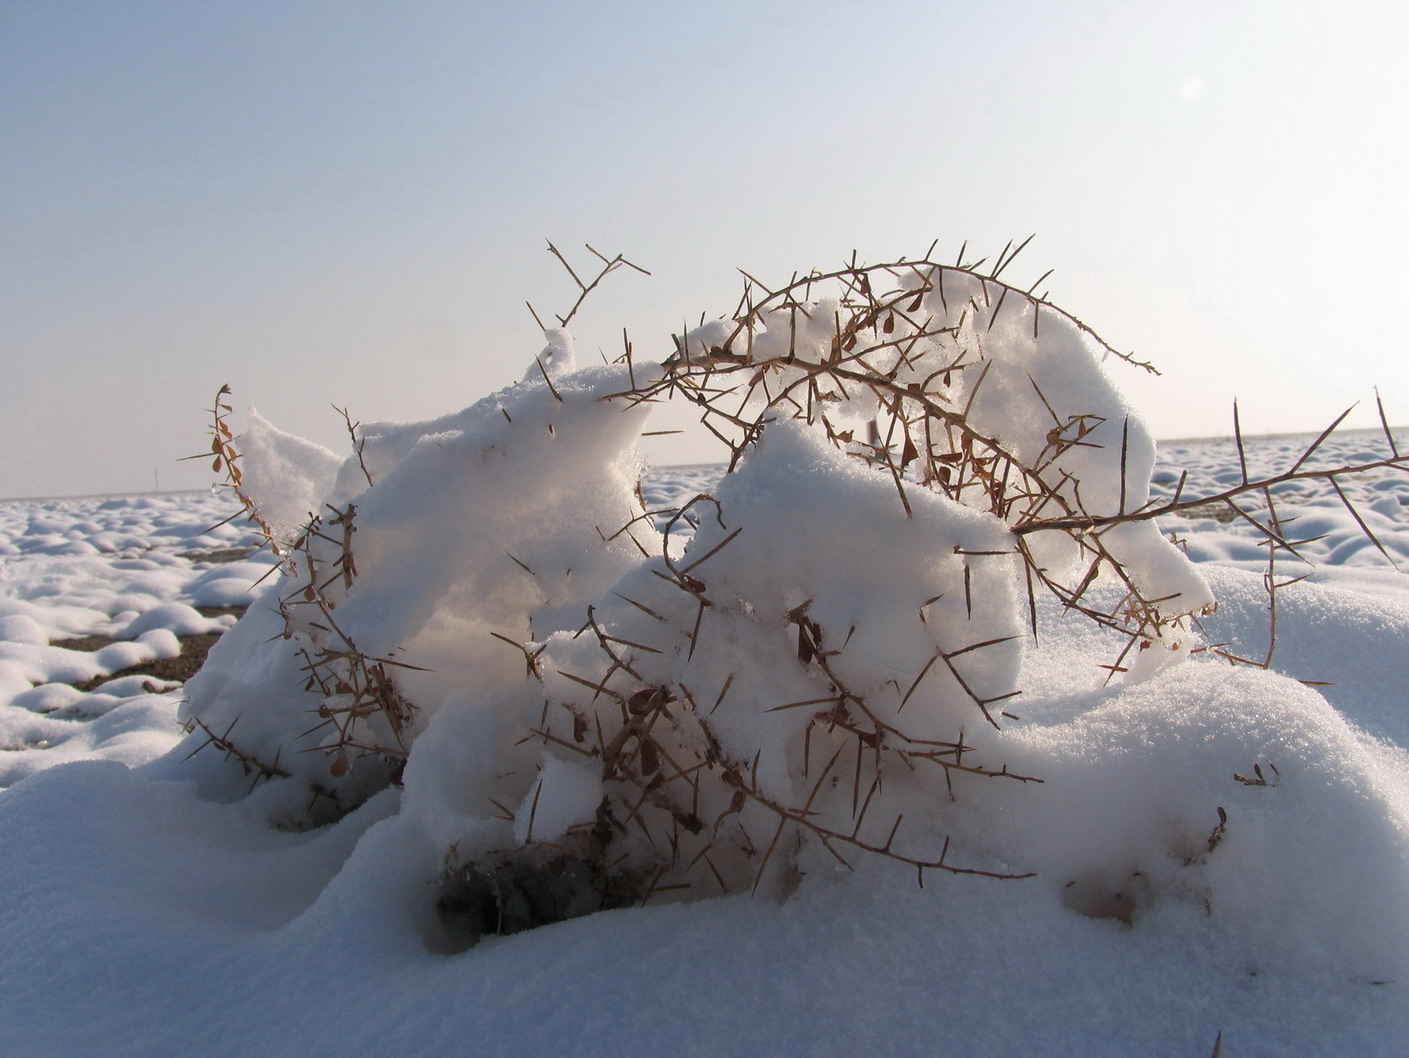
x=918, y=374
x=922, y=432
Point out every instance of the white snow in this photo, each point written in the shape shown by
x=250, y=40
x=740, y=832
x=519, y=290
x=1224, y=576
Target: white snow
x=155, y=905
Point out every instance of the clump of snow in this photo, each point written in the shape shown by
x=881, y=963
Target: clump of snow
x=782, y=630
x=815, y=620
x=1127, y=824
x=558, y=357
x=1022, y=399
x=175, y=619
x=491, y=522
x=290, y=475
x=564, y=795
x=810, y=665
x=21, y=628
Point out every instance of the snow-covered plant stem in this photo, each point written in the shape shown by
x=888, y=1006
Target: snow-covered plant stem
x=797, y=669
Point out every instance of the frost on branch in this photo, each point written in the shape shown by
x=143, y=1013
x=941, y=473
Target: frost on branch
x=792, y=672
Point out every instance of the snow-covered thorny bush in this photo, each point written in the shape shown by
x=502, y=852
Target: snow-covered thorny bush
x=588, y=702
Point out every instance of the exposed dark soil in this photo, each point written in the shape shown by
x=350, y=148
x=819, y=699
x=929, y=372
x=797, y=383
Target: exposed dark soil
x=182, y=667
x=1219, y=512
x=219, y=611
x=223, y=554
x=85, y=643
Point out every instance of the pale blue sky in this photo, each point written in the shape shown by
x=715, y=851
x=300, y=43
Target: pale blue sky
x=347, y=202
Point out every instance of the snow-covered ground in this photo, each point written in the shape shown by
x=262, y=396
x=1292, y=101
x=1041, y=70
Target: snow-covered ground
x=143, y=916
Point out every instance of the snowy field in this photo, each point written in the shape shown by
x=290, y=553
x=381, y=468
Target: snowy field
x=143, y=917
